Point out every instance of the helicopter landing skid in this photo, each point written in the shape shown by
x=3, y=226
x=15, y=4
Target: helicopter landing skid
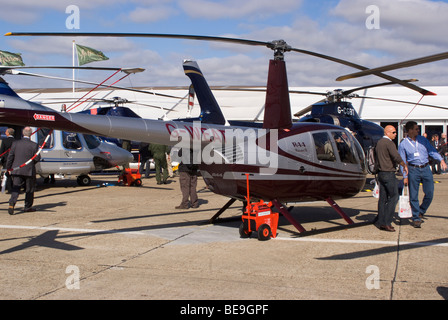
x=284, y=211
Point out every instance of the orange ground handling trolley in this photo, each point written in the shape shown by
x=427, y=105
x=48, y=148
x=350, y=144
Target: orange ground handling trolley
x=258, y=217
x=131, y=177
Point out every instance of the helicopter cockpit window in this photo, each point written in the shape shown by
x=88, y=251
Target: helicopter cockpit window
x=345, y=147
x=324, y=148
x=71, y=141
x=42, y=135
x=92, y=141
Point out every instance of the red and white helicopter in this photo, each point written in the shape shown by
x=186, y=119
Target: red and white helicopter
x=287, y=162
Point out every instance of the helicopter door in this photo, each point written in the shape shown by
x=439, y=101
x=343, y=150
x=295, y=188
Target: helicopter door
x=324, y=148
x=76, y=156
x=48, y=151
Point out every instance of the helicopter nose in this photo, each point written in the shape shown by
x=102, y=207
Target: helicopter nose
x=111, y=156
x=119, y=157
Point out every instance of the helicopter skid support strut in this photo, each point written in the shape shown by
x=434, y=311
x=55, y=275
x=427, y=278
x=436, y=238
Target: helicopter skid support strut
x=338, y=209
x=284, y=211
x=224, y=208
x=287, y=215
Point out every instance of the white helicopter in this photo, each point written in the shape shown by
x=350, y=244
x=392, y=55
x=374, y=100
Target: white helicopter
x=69, y=153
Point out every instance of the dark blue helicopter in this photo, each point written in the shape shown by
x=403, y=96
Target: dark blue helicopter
x=334, y=109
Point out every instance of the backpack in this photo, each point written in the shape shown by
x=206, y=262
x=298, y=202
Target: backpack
x=372, y=160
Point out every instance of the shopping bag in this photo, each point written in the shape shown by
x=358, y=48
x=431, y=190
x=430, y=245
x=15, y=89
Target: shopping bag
x=4, y=182
x=376, y=190
x=405, y=210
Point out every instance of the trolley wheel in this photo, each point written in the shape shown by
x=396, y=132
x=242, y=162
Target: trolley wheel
x=83, y=180
x=138, y=182
x=243, y=232
x=264, y=232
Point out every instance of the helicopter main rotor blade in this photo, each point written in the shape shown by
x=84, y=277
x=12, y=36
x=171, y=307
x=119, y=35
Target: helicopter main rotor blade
x=5, y=69
x=140, y=35
x=264, y=90
x=305, y=110
x=377, y=73
x=309, y=108
x=347, y=92
x=277, y=46
x=399, y=65
x=108, y=102
x=17, y=72
x=402, y=101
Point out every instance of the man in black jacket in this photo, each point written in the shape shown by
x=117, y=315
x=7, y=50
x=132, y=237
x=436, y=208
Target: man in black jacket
x=388, y=159
x=21, y=164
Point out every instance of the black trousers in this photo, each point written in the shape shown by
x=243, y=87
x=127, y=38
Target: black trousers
x=388, y=197
x=30, y=186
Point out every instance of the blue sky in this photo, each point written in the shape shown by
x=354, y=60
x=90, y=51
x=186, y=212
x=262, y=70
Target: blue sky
x=407, y=29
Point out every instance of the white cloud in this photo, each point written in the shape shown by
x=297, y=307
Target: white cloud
x=232, y=9
x=420, y=21
x=151, y=14
x=31, y=11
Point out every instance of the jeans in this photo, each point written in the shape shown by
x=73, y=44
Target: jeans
x=415, y=177
x=388, y=197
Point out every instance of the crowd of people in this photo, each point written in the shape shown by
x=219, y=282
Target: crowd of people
x=440, y=144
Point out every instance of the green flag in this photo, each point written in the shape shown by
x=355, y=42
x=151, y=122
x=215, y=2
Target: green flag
x=87, y=55
x=10, y=59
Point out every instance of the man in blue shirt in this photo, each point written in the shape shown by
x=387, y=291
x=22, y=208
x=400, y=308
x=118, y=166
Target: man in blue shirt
x=415, y=151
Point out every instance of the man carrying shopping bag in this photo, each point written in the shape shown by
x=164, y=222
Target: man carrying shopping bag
x=388, y=159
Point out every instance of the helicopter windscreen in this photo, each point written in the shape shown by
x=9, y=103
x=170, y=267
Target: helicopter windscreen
x=349, y=149
x=91, y=141
x=345, y=147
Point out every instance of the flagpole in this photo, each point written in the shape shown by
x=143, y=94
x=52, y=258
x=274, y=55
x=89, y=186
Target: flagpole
x=73, y=62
